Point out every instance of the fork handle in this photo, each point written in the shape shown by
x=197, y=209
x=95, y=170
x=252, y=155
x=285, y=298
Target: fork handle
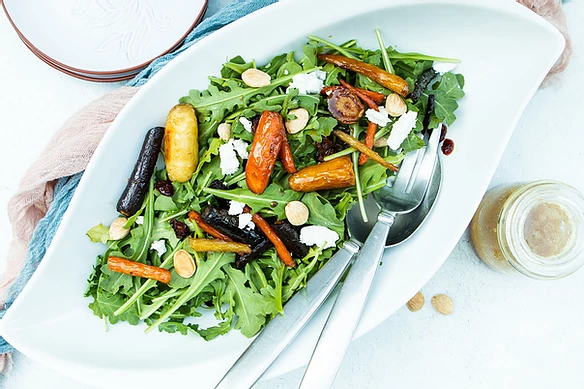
x=346, y=313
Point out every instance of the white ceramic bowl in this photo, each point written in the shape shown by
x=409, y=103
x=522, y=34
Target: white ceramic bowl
x=505, y=50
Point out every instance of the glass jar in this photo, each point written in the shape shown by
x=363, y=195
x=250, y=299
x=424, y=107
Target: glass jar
x=535, y=229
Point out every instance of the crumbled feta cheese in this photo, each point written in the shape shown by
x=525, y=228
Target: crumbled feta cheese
x=244, y=220
x=308, y=83
x=240, y=148
x=235, y=207
x=250, y=226
x=246, y=123
x=401, y=128
x=229, y=162
x=140, y=220
x=381, y=117
x=444, y=67
x=159, y=246
x=319, y=236
x=286, y=72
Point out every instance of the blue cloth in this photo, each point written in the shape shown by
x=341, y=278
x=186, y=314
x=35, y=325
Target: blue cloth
x=45, y=230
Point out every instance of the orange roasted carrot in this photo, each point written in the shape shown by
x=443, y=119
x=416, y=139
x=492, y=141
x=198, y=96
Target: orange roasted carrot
x=122, y=265
x=380, y=76
x=197, y=218
x=334, y=174
x=366, y=99
x=369, y=139
x=281, y=249
x=286, y=155
x=265, y=148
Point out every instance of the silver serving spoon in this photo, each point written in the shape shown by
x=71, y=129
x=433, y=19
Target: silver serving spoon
x=400, y=197
x=281, y=330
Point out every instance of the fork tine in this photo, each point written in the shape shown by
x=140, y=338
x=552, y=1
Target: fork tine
x=426, y=167
x=405, y=172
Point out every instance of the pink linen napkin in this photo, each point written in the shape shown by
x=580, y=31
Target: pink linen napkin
x=70, y=149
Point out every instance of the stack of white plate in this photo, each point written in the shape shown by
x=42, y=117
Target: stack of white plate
x=102, y=40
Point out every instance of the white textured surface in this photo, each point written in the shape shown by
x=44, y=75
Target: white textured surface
x=505, y=332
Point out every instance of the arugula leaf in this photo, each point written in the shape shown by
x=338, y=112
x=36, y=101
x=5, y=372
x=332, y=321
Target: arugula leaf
x=322, y=213
x=107, y=303
x=99, y=233
x=412, y=142
x=251, y=308
x=446, y=93
x=163, y=230
x=178, y=282
x=273, y=198
x=164, y=203
x=113, y=282
x=235, y=67
x=172, y=327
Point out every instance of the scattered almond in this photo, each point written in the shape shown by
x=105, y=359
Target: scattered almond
x=184, y=264
x=296, y=213
x=256, y=78
x=294, y=126
x=117, y=230
x=443, y=304
x=224, y=131
x=381, y=142
x=395, y=105
x=416, y=303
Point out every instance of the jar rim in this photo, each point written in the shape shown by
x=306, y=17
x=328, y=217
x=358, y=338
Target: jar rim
x=510, y=231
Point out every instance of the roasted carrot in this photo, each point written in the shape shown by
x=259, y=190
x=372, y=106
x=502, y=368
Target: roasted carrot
x=286, y=155
x=375, y=96
x=380, y=76
x=334, y=174
x=369, y=139
x=351, y=141
x=265, y=148
x=122, y=265
x=204, y=245
x=197, y=218
x=269, y=232
x=366, y=99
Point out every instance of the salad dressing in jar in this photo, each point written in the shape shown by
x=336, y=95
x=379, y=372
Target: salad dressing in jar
x=534, y=229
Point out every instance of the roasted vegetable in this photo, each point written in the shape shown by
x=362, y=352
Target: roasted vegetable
x=375, y=96
x=363, y=96
x=229, y=225
x=334, y=174
x=364, y=149
x=216, y=245
x=325, y=148
x=265, y=148
x=281, y=249
x=369, y=139
x=258, y=250
x=133, y=196
x=122, y=265
x=181, y=230
x=430, y=105
x=286, y=155
x=291, y=238
x=181, y=143
x=345, y=106
x=196, y=217
x=380, y=76
x=421, y=84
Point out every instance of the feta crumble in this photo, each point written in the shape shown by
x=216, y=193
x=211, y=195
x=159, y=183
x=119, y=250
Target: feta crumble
x=319, y=236
x=381, y=117
x=444, y=67
x=140, y=220
x=246, y=123
x=308, y=83
x=235, y=208
x=158, y=246
x=229, y=162
x=240, y=148
x=244, y=220
x=401, y=128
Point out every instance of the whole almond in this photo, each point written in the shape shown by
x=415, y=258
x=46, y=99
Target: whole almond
x=224, y=131
x=256, y=78
x=117, y=230
x=443, y=304
x=296, y=212
x=298, y=124
x=395, y=105
x=184, y=264
x=381, y=142
x=416, y=303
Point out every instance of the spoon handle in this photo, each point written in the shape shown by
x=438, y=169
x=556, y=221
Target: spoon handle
x=346, y=313
x=273, y=339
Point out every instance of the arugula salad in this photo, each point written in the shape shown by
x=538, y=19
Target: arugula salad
x=259, y=172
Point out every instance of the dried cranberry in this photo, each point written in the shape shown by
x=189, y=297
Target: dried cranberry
x=324, y=149
x=447, y=146
x=443, y=133
x=181, y=230
x=164, y=187
x=218, y=184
